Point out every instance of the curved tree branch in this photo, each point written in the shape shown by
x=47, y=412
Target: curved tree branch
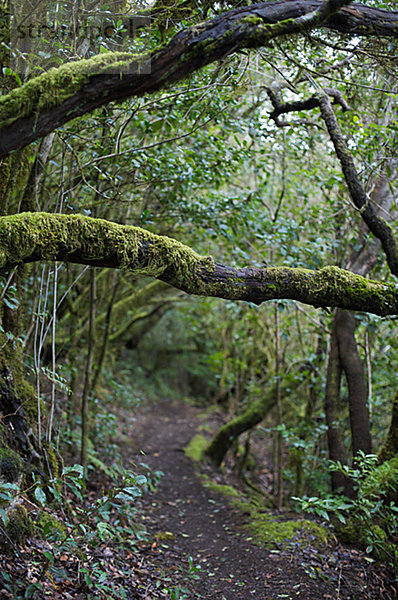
x=377, y=225
x=29, y=237
x=54, y=98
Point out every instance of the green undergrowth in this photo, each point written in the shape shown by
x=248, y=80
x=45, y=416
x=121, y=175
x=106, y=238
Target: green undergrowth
x=267, y=528
x=68, y=524
x=370, y=519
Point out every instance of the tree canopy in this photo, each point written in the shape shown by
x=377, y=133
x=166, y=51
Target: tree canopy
x=47, y=101
x=54, y=98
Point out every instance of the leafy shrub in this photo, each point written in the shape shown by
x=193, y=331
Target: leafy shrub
x=371, y=518
x=83, y=527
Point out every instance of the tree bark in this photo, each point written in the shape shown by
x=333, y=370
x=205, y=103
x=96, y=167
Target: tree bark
x=344, y=352
x=390, y=447
x=29, y=237
x=60, y=95
x=369, y=213
x=85, y=407
x=337, y=451
x=356, y=380
x=228, y=433
x=278, y=399
x=252, y=416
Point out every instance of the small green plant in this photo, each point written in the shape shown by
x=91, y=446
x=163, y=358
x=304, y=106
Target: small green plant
x=371, y=518
x=324, y=507
x=178, y=592
x=71, y=526
x=8, y=493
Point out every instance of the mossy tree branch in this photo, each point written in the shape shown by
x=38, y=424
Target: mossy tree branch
x=376, y=224
x=29, y=237
x=256, y=412
x=54, y=98
x=228, y=433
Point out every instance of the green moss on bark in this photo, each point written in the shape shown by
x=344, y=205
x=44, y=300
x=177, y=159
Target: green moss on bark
x=10, y=465
x=5, y=173
x=40, y=236
x=252, y=416
x=79, y=238
x=18, y=403
x=58, y=84
x=20, y=525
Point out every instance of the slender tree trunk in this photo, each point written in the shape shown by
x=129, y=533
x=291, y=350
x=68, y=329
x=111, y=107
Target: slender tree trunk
x=278, y=400
x=390, y=446
x=104, y=345
x=356, y=381
x=332, y=403
x=344, y=352
x=87, y=380
x=312, y=400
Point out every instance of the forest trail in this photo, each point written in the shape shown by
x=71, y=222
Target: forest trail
x=190, y=520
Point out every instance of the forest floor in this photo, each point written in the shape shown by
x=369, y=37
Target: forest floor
x=189, y=520
x=198, y=546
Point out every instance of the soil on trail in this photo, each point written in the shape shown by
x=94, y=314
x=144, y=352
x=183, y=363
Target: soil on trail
x=190, y=520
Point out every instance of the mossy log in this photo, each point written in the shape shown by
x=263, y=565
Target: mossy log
x=228, y=433
x=48, y=101
x=29, y=237
x=252, y=416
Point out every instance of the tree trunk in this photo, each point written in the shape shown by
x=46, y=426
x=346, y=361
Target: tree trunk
x=344, y=352
x=252, y=416
x=88, y=375
x=332, y=402
x=390, y=446
x=278, y=399
x=356, y=381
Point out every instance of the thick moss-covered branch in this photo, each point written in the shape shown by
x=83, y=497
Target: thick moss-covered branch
x=54, y=98
x=256, y=412
x=228, y=433
x=29, y=237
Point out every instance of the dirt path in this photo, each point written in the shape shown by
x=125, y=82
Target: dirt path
x=205, y=527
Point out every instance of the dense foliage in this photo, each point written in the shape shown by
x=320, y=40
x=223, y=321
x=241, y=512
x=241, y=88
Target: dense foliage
x=279, y=156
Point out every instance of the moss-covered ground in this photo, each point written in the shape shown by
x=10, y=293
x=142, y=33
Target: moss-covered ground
x=268, y=528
